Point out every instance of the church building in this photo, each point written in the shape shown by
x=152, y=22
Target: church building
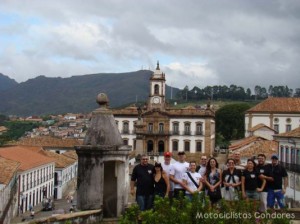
x=156, y=127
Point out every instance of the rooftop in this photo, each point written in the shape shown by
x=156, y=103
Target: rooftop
x=278, y=104
x=49, y=141
x=7, y=169
x=27, y=156
x=295, y=133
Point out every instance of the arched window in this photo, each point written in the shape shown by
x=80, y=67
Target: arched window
x=175, y=145
x=187, y=146
x=125, y=127
x=156, y=89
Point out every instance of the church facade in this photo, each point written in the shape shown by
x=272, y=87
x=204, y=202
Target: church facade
x=157, y=128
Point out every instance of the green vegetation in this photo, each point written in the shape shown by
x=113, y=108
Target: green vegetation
x=16, y=129
x=199, y=211
x=230, y=123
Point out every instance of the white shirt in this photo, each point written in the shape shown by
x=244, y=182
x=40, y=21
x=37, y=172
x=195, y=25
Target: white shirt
x=196, y=176
x=167, y=169
x=178, y=169
x=202, y=170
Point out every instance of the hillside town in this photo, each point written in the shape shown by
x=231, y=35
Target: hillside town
x=43, y=164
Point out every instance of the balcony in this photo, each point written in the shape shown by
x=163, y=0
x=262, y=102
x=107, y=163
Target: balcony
x=291, y=167
x=125, y=131
x=187, y=133
x=199, y=133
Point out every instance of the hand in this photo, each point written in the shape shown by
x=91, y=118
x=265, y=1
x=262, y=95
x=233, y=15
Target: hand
x=244, y=195
x=202, y=179
x=283, y=191
x=259, y=189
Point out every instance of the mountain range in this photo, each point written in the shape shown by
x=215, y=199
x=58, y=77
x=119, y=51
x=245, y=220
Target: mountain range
x=77, y=94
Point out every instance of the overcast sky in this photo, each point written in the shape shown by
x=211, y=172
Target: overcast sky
x=198, y=43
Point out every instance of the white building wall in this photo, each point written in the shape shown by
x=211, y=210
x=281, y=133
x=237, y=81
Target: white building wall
x=258, y=118
x=35, y=184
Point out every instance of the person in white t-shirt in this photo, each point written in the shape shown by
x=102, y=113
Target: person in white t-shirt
x=167, y=167
x=176, y=174
x=191, y=181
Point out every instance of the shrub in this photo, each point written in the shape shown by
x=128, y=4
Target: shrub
x=199, y=211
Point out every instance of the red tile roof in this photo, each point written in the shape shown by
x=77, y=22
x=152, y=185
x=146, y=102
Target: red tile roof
x=293, y=133
x=252, y=146
x=26, y=156
x=278, y=104
x=259, y=126
x=49, y=141
x=7, y=169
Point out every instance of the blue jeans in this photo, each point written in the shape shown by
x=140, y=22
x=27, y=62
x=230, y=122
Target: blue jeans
x=145, y=202
x=275, y=194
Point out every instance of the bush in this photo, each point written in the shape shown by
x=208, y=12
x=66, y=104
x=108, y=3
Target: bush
x=199, y=211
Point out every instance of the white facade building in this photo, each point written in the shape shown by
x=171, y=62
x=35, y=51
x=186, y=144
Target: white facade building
x=289, y=157
x=162, y=128
x=280, y=114
x=36, y=174
x=8, y=189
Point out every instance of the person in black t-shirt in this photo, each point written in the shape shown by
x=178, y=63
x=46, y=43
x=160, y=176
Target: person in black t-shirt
x=264, y=174
x=250, y=177
x=142, y=176
x=275, y=190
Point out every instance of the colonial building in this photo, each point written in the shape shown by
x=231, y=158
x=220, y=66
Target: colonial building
x=281, y=114
x=35, y=174
x=8, y=189
x=161, y=128
x=289, y=157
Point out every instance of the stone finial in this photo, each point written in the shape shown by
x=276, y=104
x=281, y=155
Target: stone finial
x=102, y=100
x=157, y=66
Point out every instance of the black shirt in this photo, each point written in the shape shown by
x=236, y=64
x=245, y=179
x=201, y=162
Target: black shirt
x=250, y=180
x=277, y=172
x=266, y=171
x=143, y=175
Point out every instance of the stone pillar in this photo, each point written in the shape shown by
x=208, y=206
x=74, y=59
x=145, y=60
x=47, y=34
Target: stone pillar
x=103, y=165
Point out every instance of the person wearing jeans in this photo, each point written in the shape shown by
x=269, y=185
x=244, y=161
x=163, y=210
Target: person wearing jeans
x=275, y=190
x=142, y=177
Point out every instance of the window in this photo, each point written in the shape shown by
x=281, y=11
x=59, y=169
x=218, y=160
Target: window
x=125, y=127
x=156, y=89
x=175, y=128
x=288, y=120
x=150, y=127
x=187, y=128
x=175, y=145
x=276, y=128
x=187, y=146
x=125, y=141
x=198, y=146
x=282, y=153
x=161, y=127
x=288, y=128
x=199, y=129
x=298, y=157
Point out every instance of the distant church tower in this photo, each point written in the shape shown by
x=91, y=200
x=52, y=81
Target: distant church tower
x=157, y=90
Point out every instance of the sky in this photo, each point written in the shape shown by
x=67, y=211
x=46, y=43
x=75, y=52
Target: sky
x=197, y=42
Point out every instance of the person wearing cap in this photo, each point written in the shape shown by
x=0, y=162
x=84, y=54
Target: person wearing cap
x=167, y=167
x=275, y=190
x=142, y=176
x=176, y=174
x=264, y=174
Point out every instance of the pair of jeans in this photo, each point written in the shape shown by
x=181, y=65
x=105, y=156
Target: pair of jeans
x=145, y=202
x=275, y=194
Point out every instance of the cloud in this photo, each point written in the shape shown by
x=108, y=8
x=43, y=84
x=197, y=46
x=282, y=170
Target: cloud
x=197, y=42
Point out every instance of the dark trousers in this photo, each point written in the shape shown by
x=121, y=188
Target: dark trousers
x=177, y=192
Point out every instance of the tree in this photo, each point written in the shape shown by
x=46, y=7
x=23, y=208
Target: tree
x=257, y=91
x=230, y=121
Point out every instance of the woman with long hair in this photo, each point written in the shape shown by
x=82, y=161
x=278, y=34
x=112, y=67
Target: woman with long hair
x=161, y=181
x=250, y=180
x=213, y=180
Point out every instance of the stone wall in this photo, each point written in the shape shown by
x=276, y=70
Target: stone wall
x=85, y=217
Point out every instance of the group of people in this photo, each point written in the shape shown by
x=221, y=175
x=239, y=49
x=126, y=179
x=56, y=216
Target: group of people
x=262, y=182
